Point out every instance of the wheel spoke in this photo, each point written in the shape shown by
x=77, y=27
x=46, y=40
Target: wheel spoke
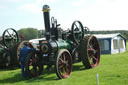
x=90, y=49
x=13, y=33
x=92, y=52
x=90, y=46
x=60, y=66
x=93, y=43
x=9, y=33
x=76, y=25
x=67, y=62
x=80, y=28
x=77, y=32
x=65, y=68
x=62, y=61
x=94, y=58
x=63, y=57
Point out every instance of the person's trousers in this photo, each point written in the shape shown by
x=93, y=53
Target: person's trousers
x=22, y=70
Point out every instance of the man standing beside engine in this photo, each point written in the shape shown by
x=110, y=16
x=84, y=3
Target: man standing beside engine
x=23, y=54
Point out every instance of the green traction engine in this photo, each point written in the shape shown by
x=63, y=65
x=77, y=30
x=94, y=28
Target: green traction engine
x=62, y=48
x=10, y=45
x=8, y=40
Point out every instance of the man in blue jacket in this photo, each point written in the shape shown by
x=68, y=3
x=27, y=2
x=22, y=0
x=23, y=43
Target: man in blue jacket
x=23, y=54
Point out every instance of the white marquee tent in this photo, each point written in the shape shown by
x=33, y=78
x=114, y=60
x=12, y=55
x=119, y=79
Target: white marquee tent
x=111, y=43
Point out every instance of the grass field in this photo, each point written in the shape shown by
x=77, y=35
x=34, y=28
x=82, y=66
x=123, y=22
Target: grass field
x=112, y=70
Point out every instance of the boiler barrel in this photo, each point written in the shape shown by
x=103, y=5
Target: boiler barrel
x=59, y=44
x=62, y=44
x=54, y=46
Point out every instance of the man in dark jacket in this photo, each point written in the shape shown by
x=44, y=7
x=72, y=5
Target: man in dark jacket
x=23, y=54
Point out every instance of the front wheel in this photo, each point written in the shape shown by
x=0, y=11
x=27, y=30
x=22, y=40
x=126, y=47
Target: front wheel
x=7, y=58
x=33, y=68
x=63, y=64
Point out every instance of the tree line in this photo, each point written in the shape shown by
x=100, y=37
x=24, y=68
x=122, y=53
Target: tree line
x=33, y=33
x=30, y=33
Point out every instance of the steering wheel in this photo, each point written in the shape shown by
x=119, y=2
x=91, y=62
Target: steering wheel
x=53, y=22
x=77, y=31
x=10, y=37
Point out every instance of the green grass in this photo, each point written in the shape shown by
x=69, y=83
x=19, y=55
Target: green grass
x=112, y=70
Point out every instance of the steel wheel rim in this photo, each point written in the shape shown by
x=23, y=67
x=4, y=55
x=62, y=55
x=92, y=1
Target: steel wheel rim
x=64, y=64
x=93, y=52
x=7, y=58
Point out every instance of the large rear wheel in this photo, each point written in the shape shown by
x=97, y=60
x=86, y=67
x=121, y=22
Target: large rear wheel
x=63, y=64
x=90, y=51
x=16, y=51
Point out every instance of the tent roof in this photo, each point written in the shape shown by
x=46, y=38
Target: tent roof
x=108, y=35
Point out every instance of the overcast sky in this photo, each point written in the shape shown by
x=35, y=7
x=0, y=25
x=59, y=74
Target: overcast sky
x=95, y=14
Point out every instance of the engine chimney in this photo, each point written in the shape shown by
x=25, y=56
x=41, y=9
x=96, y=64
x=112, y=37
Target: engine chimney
x=46, y=10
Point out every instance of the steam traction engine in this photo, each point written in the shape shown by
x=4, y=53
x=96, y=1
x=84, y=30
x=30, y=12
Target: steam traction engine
x=10, y=46
x=62, y=48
